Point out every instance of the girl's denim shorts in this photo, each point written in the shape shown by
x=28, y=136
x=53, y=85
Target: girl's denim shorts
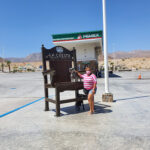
x=89, y=91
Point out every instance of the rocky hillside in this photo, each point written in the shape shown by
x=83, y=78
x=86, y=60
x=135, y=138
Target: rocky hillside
x=131, y=54
x=129, y=63
x=1, y=59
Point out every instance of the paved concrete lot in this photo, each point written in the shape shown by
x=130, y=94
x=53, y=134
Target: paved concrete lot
x=124, y=124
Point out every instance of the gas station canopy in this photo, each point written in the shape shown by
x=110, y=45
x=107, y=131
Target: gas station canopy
x=70, y=40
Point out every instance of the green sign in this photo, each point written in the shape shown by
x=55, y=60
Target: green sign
x=77, y=36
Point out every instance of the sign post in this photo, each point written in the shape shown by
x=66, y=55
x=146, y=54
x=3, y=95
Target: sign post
x=107, y=96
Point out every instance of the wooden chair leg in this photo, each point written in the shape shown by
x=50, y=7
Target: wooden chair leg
x=76, y=96
x=57, y=102
x=46, y=106
x=83, y=105
x=46, y=96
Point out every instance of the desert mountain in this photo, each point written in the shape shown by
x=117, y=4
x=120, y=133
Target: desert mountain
x=35, y=57
x=30, y=58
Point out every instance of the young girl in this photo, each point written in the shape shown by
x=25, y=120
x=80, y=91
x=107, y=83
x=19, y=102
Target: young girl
x=89, y=82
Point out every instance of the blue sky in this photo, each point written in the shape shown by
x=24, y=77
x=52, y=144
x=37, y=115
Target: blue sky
x=27, y=24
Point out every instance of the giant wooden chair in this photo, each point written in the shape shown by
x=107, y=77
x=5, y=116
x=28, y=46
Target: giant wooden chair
x=57, y=62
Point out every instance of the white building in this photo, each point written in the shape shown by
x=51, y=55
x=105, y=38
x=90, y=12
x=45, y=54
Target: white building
x=88, y=46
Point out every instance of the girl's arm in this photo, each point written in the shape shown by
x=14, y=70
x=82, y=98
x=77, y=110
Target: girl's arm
x=94, y=87
x=95, y=83
x=79, y=74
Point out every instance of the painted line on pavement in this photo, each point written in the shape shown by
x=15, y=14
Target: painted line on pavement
x=5, y=114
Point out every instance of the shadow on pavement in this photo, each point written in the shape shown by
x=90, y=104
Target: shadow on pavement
x=99, y=108
x=130, y=98
x=114, y=76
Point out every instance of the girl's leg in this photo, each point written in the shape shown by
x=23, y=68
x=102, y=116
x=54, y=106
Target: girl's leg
x=93, y=103
x=90, y=102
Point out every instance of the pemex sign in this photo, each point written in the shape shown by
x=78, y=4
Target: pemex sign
x=77, y=36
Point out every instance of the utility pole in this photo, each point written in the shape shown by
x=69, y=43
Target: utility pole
x=107, y=96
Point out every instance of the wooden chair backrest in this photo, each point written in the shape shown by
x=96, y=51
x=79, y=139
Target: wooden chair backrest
x=59, y=60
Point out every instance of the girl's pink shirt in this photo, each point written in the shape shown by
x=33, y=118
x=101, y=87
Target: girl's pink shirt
x=88, y=81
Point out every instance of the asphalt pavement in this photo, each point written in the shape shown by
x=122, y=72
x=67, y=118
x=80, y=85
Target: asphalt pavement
x=123, y=124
